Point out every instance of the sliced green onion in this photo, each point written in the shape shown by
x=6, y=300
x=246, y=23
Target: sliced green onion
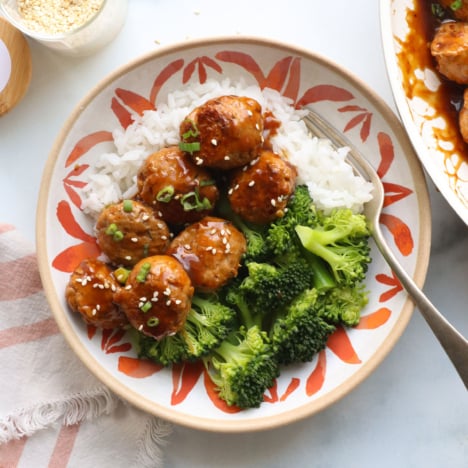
x=189, y=147
x=143, y=273
x=112, y=229
x=165, y=195
x=153, y=322
x=191, y=201
x=121, y=274
x=146, y=307
x=145, y=250
x=118, y=236
x=191, y=132
x=207, y=182
x=456, y=4
x=128, y=206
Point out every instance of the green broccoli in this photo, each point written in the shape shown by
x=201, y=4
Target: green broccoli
x=257, y=248
x=341, y=239
x=281, y=235
x=270, y=286
x=298, y=332
x=243, y=367
x=208, y=322
x=342, y=305
x=166, y=351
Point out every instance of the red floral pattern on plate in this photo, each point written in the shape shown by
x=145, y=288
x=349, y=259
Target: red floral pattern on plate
x=285, y=77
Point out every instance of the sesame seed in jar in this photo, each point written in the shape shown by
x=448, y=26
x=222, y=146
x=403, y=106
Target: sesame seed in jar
x=57, y=16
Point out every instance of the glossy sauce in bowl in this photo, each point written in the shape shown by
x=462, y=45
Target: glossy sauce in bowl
x=447, y=99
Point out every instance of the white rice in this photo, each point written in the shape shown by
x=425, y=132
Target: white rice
x=330, y=179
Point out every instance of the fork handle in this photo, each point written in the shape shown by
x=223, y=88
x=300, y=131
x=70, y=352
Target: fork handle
x=454, y=344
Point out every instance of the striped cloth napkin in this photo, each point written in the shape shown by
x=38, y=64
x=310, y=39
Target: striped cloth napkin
x=53, y=411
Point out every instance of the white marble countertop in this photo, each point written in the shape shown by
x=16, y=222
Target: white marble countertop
x=412, y=411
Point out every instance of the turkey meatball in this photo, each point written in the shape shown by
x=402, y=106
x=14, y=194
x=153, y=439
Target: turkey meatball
x=157, y=296
x=129, y=231
x=178, y=190
x=228, y=130
x=210, y=251
x=450, y=50
x=91, y=292
x=259, y=192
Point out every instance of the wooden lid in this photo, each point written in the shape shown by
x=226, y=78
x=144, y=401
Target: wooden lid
x=15, y=66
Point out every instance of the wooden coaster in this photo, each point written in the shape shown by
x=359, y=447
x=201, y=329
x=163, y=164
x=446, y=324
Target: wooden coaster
x=15, y=66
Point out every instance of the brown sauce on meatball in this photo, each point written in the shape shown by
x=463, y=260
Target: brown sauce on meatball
x=210, y=251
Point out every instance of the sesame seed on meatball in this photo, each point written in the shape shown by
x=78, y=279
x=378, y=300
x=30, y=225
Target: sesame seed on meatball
x=129, y=231
x=157, y=296
x=228, y=130
x=91, y=292
x=178, y=190
x=210, y=250
x=259, y=192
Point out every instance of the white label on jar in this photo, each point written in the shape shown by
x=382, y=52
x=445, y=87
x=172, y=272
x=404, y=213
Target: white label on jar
x=5, y=65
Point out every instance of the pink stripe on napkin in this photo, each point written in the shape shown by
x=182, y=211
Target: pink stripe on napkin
x=25, y=333
x=23, y=278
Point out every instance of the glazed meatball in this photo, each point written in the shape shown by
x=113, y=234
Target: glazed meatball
x=178, y=190
x=210, y=251
x=157, y=296
x=129, y=231
x=91, y=292
x=450, y=50
x=260, y=191
x=229, y=130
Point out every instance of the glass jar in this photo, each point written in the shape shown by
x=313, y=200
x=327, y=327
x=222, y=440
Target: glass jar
x=75, y=28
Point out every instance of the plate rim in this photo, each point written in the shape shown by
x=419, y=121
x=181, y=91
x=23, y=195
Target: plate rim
x=263, y=422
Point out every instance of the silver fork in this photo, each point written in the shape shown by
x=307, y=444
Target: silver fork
x=454, y=344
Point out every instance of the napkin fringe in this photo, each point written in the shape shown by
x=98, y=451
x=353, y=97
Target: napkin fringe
x=150, y=446
x=78, y=408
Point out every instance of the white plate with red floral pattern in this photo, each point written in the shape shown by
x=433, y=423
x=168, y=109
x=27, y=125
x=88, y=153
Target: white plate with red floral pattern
x=183, y=394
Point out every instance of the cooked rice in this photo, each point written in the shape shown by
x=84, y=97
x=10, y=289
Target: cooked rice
x=331, y=181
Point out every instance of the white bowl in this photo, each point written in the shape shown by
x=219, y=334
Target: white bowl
x=417, y=91
x=65, y=234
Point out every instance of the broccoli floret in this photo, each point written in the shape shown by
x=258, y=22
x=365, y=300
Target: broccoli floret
x=271, y=286
x=298, y=332
x=342, y=305
x=208, y=323
x=257, y=248
x=281, y=235
x=243, y=367
x=341, y=239
x=235, y=297
x=165, y=351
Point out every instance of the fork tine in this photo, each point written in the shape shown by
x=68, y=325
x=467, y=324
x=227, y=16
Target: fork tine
x=453, y=342
x=321, y=128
